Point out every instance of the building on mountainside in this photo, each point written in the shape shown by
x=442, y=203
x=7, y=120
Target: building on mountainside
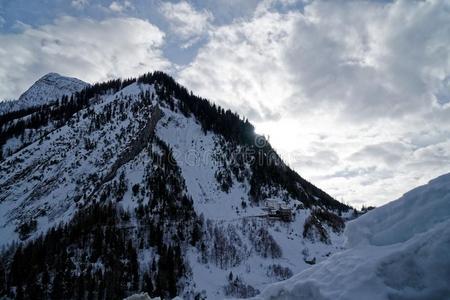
x=285, y=214
x=276, y=210
x=271, y=206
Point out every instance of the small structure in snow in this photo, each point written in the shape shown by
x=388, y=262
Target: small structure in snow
x=285, y=214
x=276, y=210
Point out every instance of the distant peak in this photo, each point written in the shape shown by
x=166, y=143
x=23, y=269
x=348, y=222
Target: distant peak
x=50, y=87
x=51, y=75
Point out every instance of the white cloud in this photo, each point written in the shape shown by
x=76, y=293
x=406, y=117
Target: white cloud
x=241, y=66
x=373, y=59
x=83, y=48
x=118, y=7
x=79, y=4
x=350, y=92
x=186, y=22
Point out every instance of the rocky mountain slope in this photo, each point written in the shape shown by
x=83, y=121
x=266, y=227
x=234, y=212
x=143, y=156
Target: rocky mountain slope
x=397, y=251
x=138, y=185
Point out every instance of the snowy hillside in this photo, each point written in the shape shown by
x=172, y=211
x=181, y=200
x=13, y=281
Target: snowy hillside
x=47, y=89
x=398, y=251
x=140, y=186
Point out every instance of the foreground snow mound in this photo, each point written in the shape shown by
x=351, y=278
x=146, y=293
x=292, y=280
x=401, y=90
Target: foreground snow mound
x=145, y=296
x=418, y=211
x=398, y=251
x=142, y=296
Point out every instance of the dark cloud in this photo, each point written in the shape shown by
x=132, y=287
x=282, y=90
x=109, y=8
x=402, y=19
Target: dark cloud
x=349, y=173
x=389, y=153
x=323, y=159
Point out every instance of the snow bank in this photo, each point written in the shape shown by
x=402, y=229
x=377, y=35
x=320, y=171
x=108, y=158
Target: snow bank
x=145, y=296
x=398, y=251
x=142, y=296
x=418, y=211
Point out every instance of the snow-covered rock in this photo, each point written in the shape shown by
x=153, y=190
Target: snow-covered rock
x=51, y=86
x=48, y=88
x=398, y=251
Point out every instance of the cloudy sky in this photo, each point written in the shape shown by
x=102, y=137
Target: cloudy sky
x=355, y=95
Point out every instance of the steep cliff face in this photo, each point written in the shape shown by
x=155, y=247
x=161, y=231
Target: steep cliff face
x=185, y=191
x=136, y=145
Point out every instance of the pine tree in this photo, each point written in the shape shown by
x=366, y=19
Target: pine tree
x=147, y=284
x=57, y=286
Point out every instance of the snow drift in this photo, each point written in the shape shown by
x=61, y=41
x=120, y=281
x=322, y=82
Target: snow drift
x=398, y=251
x=145, y=296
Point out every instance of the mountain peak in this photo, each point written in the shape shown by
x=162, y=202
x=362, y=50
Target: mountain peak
x=50, y=87
x=47, y=89
x=51, y=75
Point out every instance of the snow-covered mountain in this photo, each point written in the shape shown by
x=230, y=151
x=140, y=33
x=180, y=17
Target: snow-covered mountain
x=45, y=92
x=398, y=251
x=139, y=185
x=47, y=89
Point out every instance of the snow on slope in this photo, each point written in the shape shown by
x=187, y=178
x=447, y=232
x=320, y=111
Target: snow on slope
x=48, y=88
x=49, y=180
x=45, y=180
x=198, y=155
x=398, y=251
x=195, y=152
